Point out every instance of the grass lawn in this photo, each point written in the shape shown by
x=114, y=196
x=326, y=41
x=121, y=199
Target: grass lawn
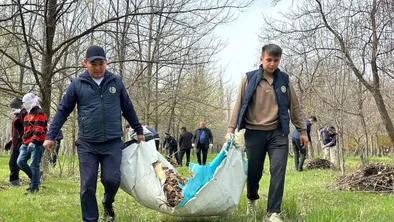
x=309, y=196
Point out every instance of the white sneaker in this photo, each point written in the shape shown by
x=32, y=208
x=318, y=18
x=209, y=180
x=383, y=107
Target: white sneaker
x=251, y=208
x=275, y=217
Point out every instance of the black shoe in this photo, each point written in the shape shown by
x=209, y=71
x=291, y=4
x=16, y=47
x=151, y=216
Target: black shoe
x=109, y=213
x=15, y=183
x=30, y=191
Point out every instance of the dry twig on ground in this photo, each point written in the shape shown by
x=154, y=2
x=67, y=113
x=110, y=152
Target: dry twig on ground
x=378, y=178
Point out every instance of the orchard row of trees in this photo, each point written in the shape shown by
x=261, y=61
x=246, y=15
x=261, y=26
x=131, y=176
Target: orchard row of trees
x=164, y=50
x=339, y=55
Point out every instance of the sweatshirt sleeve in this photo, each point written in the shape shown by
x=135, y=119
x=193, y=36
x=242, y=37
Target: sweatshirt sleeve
x=232, y=125
x=296, y=114
x=320, y=133
x=334, y=139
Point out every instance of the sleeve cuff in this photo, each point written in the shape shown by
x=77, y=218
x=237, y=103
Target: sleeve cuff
x=140, y=132
x=303, y=132
x=50, y=137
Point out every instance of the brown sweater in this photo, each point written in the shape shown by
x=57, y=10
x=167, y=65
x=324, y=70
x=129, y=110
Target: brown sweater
x=262, y=112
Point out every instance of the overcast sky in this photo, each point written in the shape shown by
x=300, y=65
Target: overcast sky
x=243, y=48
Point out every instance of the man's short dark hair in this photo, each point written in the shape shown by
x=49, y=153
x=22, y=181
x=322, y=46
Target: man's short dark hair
x=332, y=129
x=272, y=50
x=313, y=118
x=183, y=128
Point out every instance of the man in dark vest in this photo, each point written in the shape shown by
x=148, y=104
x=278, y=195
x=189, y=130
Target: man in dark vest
x=262, y=108
x=202, y=140
x=300, y=152
x=102, y=100
x=185, y=144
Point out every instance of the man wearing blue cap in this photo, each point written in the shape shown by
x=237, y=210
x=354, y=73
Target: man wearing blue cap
x=101, y=98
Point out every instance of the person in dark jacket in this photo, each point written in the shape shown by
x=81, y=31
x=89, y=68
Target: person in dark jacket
x=34, y=132
x=300, y=152
x=202, y=140
x=171, y=146
x=16, y=139
x=102, y=99
x=55, y=153
x=185, y=144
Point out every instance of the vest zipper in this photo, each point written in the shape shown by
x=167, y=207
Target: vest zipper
x=104, y=120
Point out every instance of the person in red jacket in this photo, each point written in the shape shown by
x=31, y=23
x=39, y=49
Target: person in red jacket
x=16, y=139
x=34, y=133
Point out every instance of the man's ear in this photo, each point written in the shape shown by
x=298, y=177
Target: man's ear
x=84, y=63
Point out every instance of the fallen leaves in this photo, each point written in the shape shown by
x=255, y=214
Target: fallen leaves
x=172, y=190
x=172, y=183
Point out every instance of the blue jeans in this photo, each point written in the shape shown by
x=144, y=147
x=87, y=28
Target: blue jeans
x=32, y=171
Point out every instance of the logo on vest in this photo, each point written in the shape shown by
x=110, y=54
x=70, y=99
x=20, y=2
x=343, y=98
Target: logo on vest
x=112, y=89
x=283, y=89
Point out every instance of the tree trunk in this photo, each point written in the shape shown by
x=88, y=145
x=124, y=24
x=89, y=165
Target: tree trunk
x=364, y=151
x=46, y=87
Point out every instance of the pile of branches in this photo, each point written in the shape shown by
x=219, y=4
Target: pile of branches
x=377, y=178
x=172, y=190
x=319, y=164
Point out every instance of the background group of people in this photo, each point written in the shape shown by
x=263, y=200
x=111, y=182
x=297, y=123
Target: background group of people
x=327, y=138
x=202, y=140
x=29, y=128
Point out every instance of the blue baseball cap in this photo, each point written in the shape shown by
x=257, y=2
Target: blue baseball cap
x=95, y=52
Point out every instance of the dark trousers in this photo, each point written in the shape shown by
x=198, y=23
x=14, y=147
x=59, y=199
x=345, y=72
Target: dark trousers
x=202, y=148
x=55, y=153
x=157, y=143
x=258, y=143
x=181, y=154
x=14, y=168
x=90, y=155
x=299, y=154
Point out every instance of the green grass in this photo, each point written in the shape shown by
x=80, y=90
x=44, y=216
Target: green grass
x=309, y=196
